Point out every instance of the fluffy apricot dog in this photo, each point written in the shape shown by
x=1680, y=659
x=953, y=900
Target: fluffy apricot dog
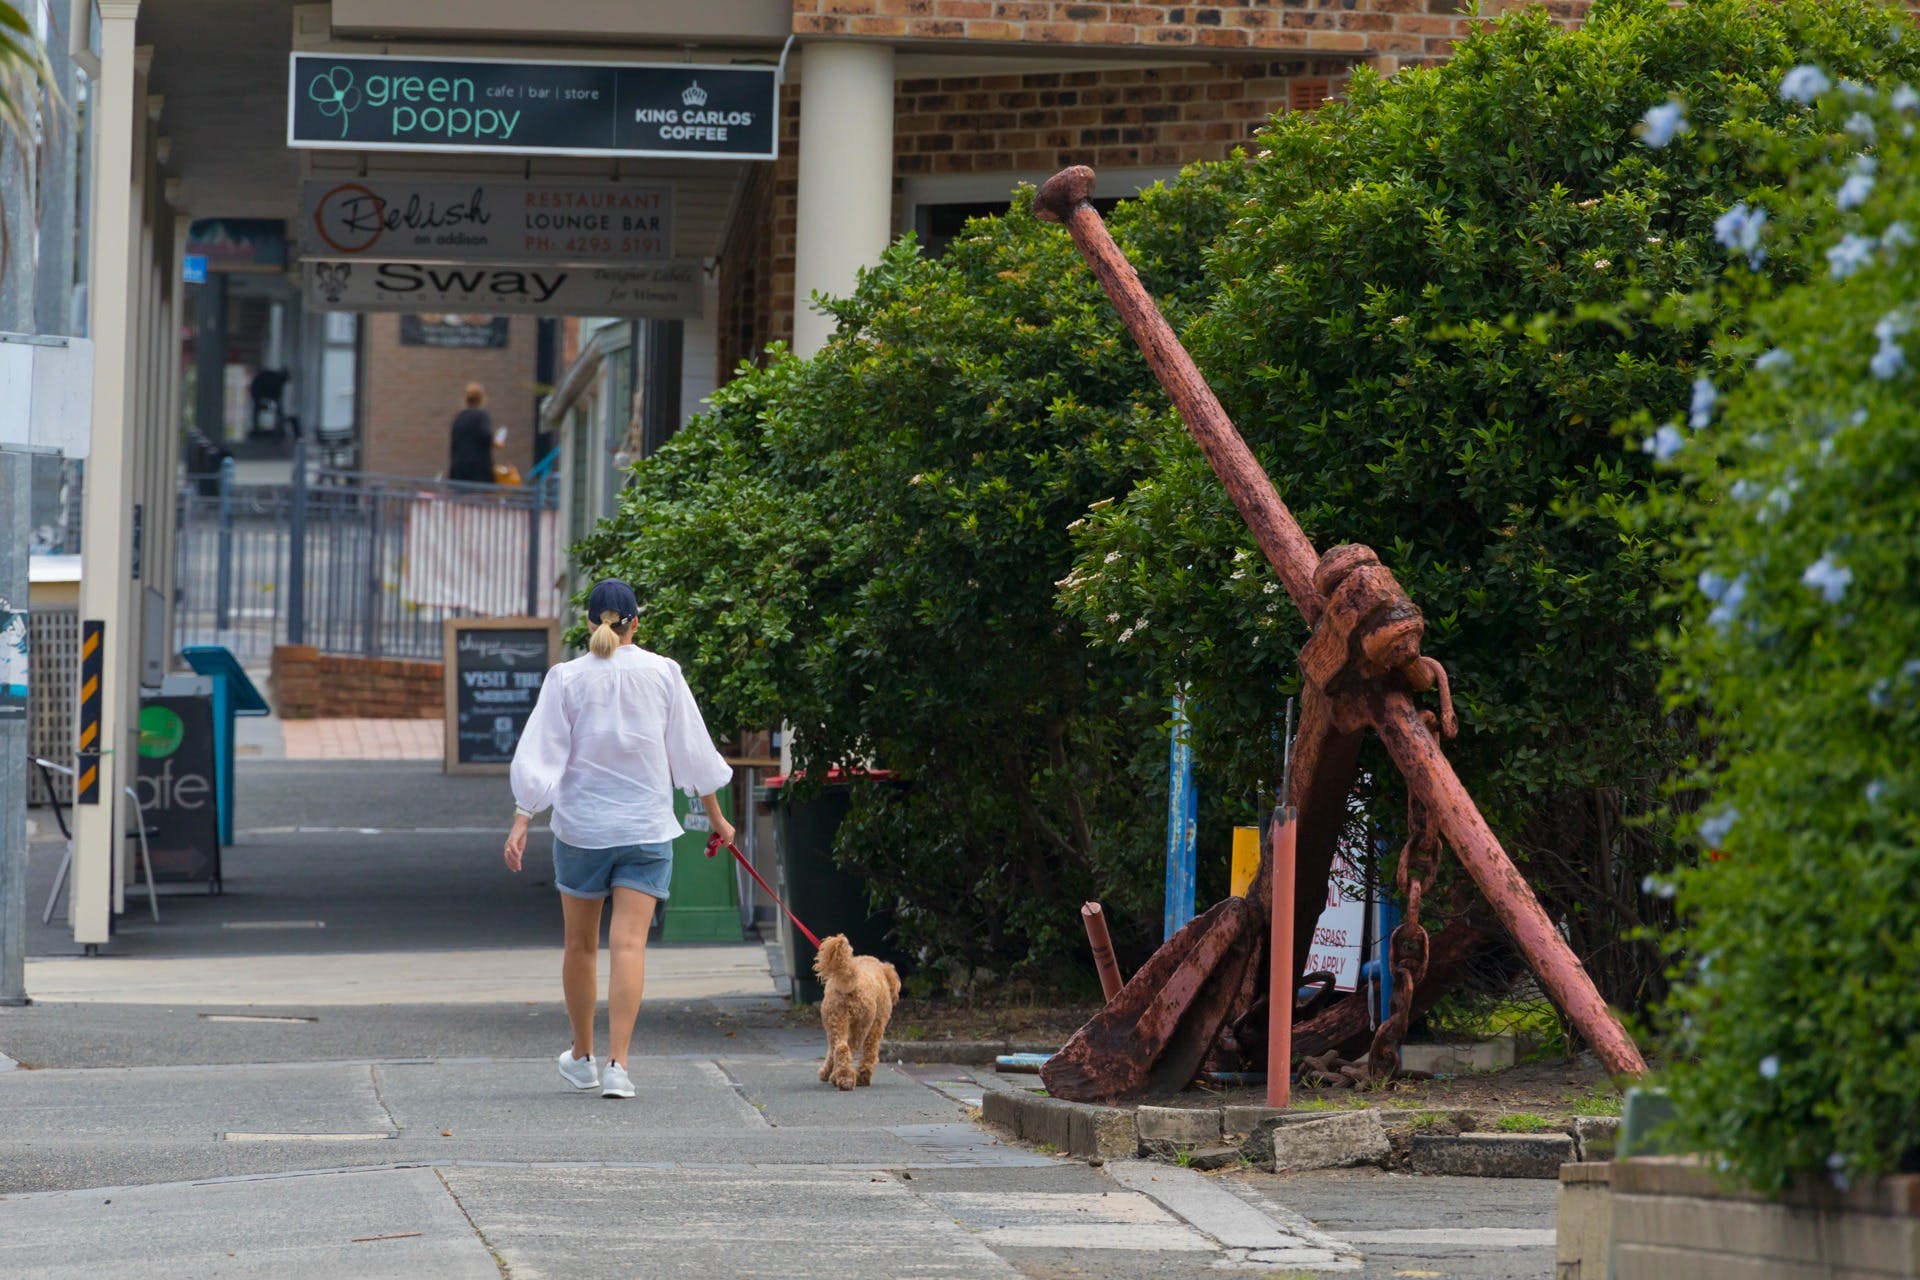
x=859, y=1000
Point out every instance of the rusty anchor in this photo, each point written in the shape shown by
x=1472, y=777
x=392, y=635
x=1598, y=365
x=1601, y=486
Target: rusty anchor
x=1361, y=668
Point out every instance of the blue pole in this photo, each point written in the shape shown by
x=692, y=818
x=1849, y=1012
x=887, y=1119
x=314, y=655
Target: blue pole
x=1183, y=808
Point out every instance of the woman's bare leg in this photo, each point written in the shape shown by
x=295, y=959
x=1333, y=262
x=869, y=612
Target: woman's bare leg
x=627, y=941
x=577, y=968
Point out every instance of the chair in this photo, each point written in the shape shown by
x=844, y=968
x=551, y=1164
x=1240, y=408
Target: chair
x=47, y=769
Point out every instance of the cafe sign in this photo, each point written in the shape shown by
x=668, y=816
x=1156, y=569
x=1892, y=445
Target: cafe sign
x=660, y=291
x=401, y=219
x=368, y=102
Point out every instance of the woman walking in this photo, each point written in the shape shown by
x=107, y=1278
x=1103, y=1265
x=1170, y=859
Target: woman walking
x=613, y=733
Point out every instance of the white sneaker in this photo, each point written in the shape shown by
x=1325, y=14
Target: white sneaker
x=614, y=1083
x=581, y=1073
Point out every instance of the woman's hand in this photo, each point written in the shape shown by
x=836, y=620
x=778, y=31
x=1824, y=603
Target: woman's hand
x=716, y=819
x=516, y=842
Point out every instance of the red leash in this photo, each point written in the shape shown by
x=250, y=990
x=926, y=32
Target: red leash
x=713, y=846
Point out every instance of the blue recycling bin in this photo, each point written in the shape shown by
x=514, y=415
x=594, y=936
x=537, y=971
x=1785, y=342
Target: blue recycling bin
x=233, y=695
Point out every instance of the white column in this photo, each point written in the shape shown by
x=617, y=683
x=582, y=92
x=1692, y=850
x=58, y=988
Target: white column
x=105, y=587
x=845, y=218
x=165, y=543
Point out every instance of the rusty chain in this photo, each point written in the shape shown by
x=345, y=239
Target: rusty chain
x=1407, y=950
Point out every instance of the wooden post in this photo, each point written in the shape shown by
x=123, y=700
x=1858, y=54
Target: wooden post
x=1281, y=978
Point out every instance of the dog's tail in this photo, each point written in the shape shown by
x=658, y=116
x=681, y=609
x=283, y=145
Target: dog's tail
x=893, y=980
x=834, y=963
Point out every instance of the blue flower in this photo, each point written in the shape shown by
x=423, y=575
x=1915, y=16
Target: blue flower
x=1804, y=83
x=1860, y=125
x=1700, y=411
x=1876, y=789
x=1731, y=597
x=1905, y=98
x=1888, y=362
x=1663, y=123
x=1739, y=230
x=1827, y=577
x=1880, y=694
x=1664, y=443
x=1744, y=490
x=1854, y=191
x=1714, y=830
x=1849, y=255
x=1771, y=360
x=1896, y=236
x=1769, y=1067
x=1712, y=585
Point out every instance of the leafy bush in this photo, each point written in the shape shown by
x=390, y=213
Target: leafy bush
x=1431, y=315
x=865, y=544
x=1796, y=1033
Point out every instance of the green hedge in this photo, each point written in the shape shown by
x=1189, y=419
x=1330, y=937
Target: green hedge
x=865, y=544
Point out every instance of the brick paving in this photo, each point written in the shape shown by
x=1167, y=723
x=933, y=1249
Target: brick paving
x=363, y=739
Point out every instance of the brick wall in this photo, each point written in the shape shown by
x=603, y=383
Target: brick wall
x=306, y=684
x=1398, y=31
x=412, y=394
x=1030, y=125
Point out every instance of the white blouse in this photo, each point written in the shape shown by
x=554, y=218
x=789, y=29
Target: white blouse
x=608, y=740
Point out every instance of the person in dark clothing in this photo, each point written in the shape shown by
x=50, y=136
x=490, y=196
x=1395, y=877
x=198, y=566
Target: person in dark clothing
x=471, y=456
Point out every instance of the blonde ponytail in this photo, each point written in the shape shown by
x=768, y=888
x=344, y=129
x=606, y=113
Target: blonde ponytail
x=605, y=640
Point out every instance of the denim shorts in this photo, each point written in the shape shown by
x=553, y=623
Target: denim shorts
x=592, y=873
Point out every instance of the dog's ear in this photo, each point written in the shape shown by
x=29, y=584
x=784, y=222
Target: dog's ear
x=835, y=955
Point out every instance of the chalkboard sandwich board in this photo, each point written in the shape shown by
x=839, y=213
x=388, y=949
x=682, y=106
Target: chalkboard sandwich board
x=494, y=667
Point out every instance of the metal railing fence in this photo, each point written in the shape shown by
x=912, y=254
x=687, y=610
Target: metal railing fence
x=358, y=564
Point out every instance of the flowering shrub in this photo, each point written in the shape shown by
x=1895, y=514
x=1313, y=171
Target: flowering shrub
x=1796, y=1029
x=1431, y=318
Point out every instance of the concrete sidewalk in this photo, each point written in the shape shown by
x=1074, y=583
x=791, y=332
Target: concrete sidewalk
x=343, y=1067
x=440, y=1141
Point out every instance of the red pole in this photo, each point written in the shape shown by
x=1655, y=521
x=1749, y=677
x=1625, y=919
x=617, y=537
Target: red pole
x=1102, y=944
x=1281, y=979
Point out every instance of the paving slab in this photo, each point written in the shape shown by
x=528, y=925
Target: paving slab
x=400, y=1224
x=102, y=1035
x=451, y=976
x=790, y=1093
x=794, y=1225
x=188, y=1103
x=1462, y=1228
x=509, y=1101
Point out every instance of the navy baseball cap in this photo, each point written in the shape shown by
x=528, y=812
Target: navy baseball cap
x=610, y=595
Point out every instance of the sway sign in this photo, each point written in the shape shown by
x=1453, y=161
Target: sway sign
x=400, y=219
x=664, y=291
x=367, y=102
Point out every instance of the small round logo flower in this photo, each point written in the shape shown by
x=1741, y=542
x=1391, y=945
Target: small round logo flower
x=335, y=94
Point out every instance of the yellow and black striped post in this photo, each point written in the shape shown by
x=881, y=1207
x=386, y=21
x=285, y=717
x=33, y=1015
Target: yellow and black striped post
x=86, y=783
